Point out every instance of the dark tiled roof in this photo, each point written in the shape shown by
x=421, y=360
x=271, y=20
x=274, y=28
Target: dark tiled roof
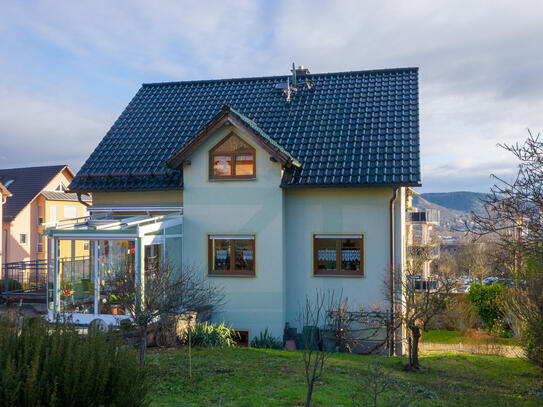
x=26, y=184
x=64, y=196
x=351, y=128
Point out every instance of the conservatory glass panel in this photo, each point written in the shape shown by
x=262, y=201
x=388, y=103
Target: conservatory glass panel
x=116, y=266
x=76, y=277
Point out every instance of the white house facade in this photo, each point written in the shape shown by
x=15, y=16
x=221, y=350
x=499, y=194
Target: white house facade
x=270, y=190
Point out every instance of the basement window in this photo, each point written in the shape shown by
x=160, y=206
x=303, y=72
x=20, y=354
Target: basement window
x=338, y=255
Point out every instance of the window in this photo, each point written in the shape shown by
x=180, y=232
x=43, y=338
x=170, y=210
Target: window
x=53, y=214
x=60, y=187
x=70, y=212
x=241, y=338
x=22, y=238
x=338, y=255
x=40, y=215
x=40, y=243
x=232, y=158
x=232, y=255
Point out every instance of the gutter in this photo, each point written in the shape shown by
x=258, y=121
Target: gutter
x=392, y=268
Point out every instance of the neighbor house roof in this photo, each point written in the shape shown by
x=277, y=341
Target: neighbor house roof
x=64, y=196
x=25, y=184
x=345, y=129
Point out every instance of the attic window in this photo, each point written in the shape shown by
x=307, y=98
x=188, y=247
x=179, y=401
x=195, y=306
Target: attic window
x=232, y=158
x=60, y=187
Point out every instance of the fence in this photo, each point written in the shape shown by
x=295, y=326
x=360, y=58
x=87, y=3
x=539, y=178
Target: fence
x=24, y=278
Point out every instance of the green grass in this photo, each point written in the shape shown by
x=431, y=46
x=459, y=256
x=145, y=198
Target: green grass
x=442, y=336
x=256, y=377
x=453, y=337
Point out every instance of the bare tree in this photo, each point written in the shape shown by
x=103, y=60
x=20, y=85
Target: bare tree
x=373, y=389
x=513, y=217
x=315, y=313
x=418, y=301
x=162, y=293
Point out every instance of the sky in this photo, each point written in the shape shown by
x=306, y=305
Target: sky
x=69, y=68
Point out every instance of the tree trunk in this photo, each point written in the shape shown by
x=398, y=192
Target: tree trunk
x=143, y=345
x=309, y=394
x=415, y=332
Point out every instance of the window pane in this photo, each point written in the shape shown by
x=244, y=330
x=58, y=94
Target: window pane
x=350, y=254
x=244, y=253
x=76, y=277
x=221, y=255
x=326, y=254
x=244, y=165
x=232, y=144
x=222, y=165
x=116, y=260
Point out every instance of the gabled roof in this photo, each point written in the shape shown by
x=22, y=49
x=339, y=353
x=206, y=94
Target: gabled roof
x=230, y=116
x=26, y=183
x=347, y=129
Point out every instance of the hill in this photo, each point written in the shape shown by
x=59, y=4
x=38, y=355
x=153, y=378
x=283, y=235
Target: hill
x=460, y=201
x=455, y=208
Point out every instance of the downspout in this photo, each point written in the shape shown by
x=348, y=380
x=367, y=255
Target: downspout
x=81, y=200
x=392, y=267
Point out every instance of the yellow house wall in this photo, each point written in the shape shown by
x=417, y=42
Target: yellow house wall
x=147, y=198
x=27, y=222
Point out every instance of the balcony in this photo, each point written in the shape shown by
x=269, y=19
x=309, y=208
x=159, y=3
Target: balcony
x=425, y=216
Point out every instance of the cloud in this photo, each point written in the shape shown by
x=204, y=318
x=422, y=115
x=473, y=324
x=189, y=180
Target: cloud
x=36, y=131
x=480, y=63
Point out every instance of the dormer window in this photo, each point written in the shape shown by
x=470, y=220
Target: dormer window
x=232, y=158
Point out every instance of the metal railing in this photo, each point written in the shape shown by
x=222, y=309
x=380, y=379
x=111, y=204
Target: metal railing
x=428, y=216
x=23, y=278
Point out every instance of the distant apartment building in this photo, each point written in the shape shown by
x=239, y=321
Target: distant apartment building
x=419, y=224
x=37, y=200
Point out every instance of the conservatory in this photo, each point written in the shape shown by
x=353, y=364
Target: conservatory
x=87, y=255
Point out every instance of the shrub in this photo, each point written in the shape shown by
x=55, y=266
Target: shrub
x=13, y=285
x=489, y=303
x=40, y=366
x=266, y=341
x=210, y=335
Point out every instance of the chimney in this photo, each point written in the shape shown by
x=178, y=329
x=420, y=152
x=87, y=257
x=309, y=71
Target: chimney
x=302, y=71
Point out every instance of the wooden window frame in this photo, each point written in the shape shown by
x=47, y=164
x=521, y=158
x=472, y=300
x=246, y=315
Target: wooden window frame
x=232, y=154
x=338, y=272
x=232, y=270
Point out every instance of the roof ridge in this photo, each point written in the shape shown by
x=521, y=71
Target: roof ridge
x=253, y=78
x=34, y=167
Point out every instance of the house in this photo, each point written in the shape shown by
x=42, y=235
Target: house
x=419, y=225
x=4, y=194
x=38, y=200
x=272, y=187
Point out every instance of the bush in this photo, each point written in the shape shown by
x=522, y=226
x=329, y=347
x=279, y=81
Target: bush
x=40, y=366
x=13, y=285
x=489, y=301
x=210, y=335
x=266, y=341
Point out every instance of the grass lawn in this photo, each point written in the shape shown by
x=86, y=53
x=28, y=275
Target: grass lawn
x=256, y=377
x=454, y=337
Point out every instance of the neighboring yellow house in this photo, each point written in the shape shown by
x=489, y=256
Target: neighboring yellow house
x=38, y=201
x=4, y=193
